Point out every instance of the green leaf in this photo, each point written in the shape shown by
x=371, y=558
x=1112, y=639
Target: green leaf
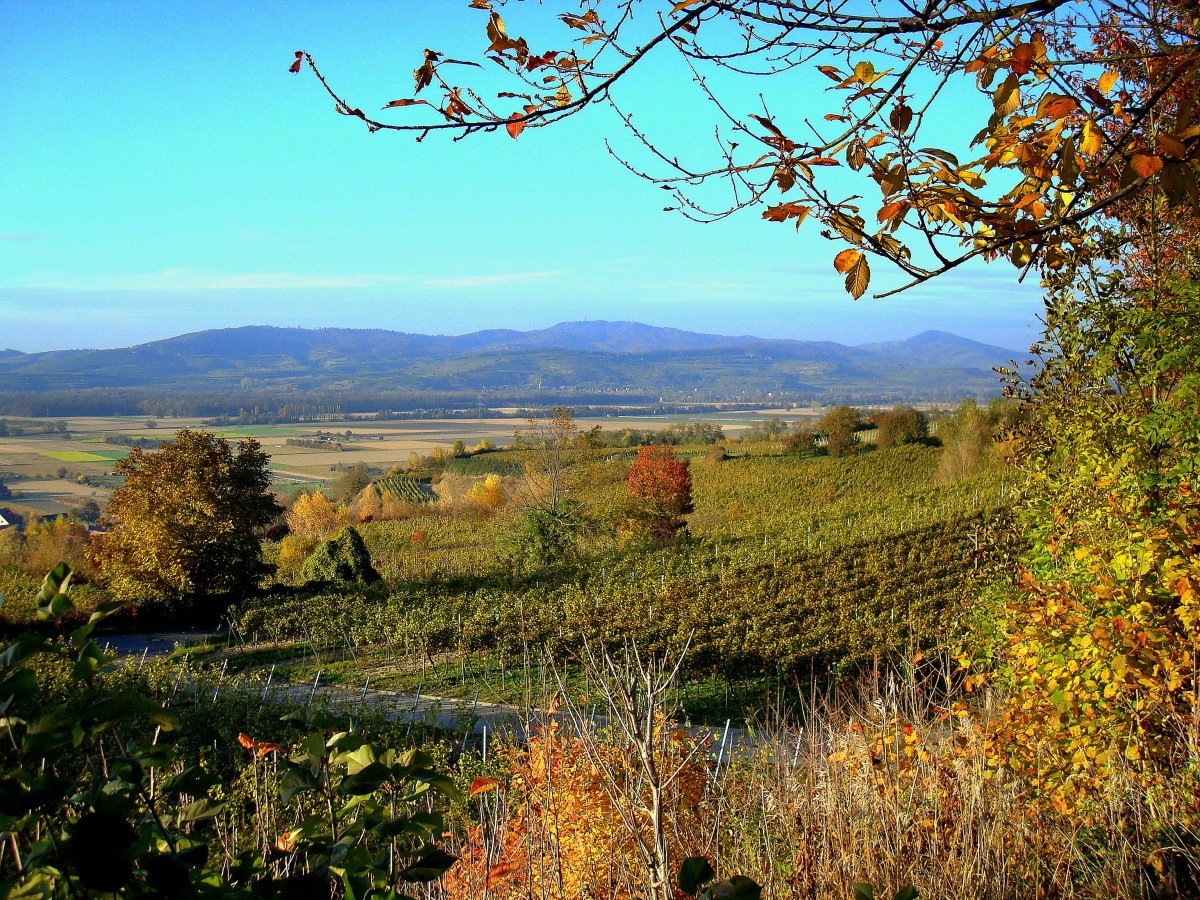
x=695, y=871
x=429, y=867
x=200, y=809
x=366, y=781
x=908, y=892
x=739, y=887
x=56, y=582
x=864, y=892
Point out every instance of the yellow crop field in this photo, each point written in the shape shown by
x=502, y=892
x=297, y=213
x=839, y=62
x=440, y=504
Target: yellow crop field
x=76, y=456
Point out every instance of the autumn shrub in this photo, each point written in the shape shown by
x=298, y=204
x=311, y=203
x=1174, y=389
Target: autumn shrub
x=575, y=817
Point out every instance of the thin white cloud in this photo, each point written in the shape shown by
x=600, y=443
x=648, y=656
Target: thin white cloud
x=190, y=280
x=476, y=281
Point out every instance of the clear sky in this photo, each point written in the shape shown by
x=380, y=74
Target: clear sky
x=161, y=172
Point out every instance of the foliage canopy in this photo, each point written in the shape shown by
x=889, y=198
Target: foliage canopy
x=187, y=519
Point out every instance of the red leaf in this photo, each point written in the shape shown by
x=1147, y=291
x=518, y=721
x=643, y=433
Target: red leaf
x=295, y=66
x=515, y=126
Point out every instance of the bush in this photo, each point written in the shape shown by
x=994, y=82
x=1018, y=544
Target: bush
x=344, y=559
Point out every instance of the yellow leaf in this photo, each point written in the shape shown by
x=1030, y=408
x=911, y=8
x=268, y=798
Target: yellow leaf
x=1107, y=80
x=1089, y=143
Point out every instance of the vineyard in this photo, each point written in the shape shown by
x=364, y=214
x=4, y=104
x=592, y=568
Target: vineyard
x=404, y=488
x=795, y=569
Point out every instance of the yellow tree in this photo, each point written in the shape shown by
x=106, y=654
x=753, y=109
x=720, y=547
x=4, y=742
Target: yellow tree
x=187, y=519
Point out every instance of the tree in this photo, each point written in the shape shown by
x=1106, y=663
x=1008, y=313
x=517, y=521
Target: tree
x=839, y=425
x=554, y=519
x=1080, y=107
x=901, y=425
x=187, y=519
x=352, y=482
x=1099, y=635
x=315, y=517
x=5, y=493
x=659, y=485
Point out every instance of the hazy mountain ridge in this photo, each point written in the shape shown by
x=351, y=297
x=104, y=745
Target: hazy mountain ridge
x=571, y=356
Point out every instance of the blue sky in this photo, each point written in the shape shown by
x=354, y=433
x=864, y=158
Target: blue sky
x=161, y=172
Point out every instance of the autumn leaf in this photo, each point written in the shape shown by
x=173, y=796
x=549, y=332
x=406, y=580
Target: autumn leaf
x=1107, y=80
x=405, y=103
x=515, y=126
x=1089, y=143
x=1022, y=59
x=684, y=4
x=846, y=260
x=261, y=748
x=858, y=277
x=1056, y=106
x=901, y=117
x=482, y=784
x=295, y=66
x=1145, y=164
x=286, y=843
x=1171, y=145
x=1008, y=96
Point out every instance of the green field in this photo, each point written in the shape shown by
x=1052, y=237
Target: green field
x=79, y=456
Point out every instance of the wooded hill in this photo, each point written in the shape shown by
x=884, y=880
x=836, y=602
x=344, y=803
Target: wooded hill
x=570, y=359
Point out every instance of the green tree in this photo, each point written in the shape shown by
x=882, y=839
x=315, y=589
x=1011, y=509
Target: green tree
x=839, y=425
x=186, y=521
x=352, y=482
x=901, y=425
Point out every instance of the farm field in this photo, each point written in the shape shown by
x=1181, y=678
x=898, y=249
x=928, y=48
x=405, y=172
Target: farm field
x=83, y=449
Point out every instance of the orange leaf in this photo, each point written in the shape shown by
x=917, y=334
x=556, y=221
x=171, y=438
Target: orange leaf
x=515, y=126
x=1022, y=59
x=1107, y=80
x=846, y=260
x=262, y=748
x=1145, y=164
x=481, y=784
x=683, y=4
x=286, y=842
x=405, y=103
x=831, y=72
x=1056, y=106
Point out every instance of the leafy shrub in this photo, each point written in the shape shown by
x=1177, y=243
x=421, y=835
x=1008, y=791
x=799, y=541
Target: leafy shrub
x=342, y=559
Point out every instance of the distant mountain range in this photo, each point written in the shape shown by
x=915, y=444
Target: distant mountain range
x=573, y=358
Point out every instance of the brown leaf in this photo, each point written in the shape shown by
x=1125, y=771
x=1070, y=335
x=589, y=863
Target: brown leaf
x=515, y=126
x=901, y=117
x=1145, y=164
x=405, y=103
x=856, y=155
x=831, y=72
x=423, y=75
x=846, y=260
x=1171, y=145
x=858, y=278
x=683, y=4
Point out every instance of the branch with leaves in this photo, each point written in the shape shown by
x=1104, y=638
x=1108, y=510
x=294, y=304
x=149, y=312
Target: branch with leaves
x=1082, y=107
